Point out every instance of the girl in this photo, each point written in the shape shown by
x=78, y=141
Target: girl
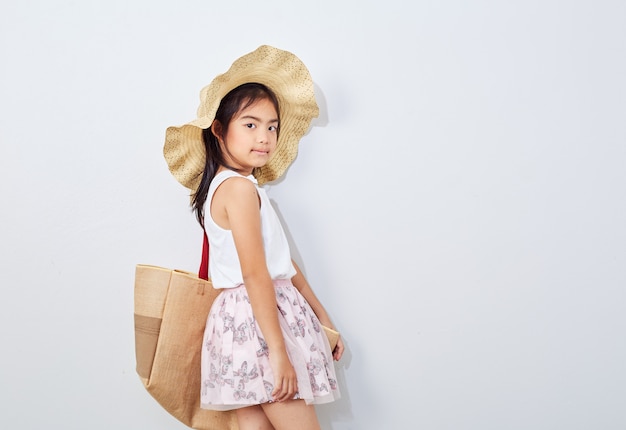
x=264, y=352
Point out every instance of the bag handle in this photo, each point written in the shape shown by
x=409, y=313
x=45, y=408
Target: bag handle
x=203, y=273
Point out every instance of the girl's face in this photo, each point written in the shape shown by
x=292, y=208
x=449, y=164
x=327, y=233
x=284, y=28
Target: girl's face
x=251, y=136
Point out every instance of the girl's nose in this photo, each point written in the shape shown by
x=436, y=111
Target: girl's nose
x=263, y=136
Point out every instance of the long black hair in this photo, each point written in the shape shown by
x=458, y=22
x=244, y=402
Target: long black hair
x=232, y=103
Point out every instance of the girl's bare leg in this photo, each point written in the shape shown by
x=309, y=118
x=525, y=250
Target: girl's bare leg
x=253, y=418
x=291, y=414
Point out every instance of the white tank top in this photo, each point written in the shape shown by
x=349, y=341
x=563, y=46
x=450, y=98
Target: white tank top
x=224, y=266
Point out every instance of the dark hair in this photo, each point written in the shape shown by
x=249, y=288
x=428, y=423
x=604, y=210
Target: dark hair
x=232, y=103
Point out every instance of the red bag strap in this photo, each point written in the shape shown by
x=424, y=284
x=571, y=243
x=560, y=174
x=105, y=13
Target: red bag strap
x=203, y=273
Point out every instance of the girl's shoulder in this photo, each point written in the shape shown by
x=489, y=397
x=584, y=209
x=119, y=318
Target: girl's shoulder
x=233, y=197
x=238, y=184
x=224, y=175
x=233, y=184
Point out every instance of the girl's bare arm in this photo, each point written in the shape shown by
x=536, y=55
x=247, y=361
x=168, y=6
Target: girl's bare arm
x=241, y=205
x=300, y=282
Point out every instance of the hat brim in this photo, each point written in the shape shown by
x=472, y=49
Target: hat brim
x=286, y=76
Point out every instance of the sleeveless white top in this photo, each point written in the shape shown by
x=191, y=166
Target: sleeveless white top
x=224, y=265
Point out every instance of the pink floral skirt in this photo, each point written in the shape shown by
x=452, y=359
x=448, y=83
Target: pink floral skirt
x=235, y=360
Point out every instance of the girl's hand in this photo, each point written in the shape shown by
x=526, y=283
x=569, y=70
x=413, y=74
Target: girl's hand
x=339, y=348
x=285, y=381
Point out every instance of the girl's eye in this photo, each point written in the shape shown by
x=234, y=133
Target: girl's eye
x=273, y=128
x=250, y=125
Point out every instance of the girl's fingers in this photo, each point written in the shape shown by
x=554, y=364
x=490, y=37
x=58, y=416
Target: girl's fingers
x=284, y=389
x=338, y=351
x=288, y=391
x=278, y=393
x=278, y=390
x=293, y=389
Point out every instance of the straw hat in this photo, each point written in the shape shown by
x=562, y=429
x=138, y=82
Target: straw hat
x=286, y=76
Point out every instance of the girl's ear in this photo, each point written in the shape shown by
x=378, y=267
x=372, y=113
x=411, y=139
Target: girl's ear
x=216, y=129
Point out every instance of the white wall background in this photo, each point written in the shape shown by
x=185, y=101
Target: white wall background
x=459, y=206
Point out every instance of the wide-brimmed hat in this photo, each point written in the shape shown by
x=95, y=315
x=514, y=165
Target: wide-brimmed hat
x=279, y=70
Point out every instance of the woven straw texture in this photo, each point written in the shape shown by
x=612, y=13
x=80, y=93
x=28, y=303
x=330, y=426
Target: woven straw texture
x=279, y=70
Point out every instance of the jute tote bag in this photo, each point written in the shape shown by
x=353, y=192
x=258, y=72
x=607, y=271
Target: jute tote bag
x=171, y=309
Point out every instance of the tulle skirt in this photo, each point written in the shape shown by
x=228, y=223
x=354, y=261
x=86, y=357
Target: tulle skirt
x=235, y=360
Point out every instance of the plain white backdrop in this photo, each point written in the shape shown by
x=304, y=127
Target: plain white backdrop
x=459, y=206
